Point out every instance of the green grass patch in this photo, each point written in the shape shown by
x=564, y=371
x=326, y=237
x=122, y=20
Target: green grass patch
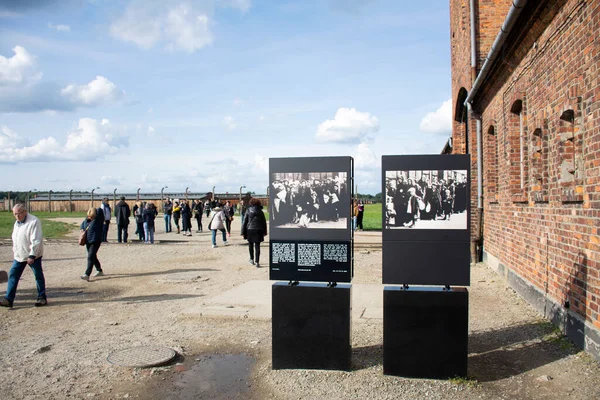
x=51, y=229
x=464, y=381
x=372, y=217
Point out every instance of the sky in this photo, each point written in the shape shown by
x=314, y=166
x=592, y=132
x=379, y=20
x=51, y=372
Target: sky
x=128, y=94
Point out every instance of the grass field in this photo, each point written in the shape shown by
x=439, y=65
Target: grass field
x=372, y=217
x=51, y=229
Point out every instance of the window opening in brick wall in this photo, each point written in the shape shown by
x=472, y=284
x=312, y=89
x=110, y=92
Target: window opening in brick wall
x=517, y=152
x=492, y=165
x=539, y=161
x=570, y=146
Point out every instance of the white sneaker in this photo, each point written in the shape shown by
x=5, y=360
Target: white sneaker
x=99, y=273
x=214, y=246
x=225, y=243
x=251, y=262
x=85, y=277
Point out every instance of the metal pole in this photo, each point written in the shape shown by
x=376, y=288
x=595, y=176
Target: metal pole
x=186, y=193
x=28, y=201
x=71, y=200
x=92, y=202
x=49, y=201
x=114, y=198
x=138, y=194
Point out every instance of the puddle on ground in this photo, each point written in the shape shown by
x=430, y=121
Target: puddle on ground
x=213, y=377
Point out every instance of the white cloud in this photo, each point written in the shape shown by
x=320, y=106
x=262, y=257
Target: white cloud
x=365, y=158
x=110, y=180
x=438, y=121
x=140, y=25
x=242, y=5
x=59, y=28
x=187, y=30
x=229, y=123
x=182, y=26
x=99, y=91
x=261, y=162
x=18, y=69
x=91, y=140
x=348, y=126
x=151, y=130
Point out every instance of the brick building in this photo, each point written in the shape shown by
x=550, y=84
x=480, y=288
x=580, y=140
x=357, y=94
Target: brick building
x=526, y=104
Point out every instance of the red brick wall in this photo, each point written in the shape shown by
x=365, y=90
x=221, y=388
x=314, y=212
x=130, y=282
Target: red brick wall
x=549, y=232
x=490, y=17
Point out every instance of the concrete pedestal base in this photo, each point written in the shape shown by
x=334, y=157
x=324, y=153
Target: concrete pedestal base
x=425, y=332
x=311, y=326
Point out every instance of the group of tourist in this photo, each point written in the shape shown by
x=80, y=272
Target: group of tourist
x=302, y=202
x=435, y=199
x=28, y=245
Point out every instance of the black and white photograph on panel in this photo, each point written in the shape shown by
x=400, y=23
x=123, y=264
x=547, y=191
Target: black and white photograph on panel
x=426, y=199
x=310, y=200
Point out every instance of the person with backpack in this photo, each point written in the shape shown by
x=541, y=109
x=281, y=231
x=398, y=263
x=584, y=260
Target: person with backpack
x=254, y=230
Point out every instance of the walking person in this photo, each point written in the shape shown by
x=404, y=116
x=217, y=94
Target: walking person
x=217, y=223
x=138, y=216
x=122, y=214
x=228, y=210
x=105, y=206
x=168, y=212
x=176, y=215
x=254, y=229
x=359, y=215
x=28, y=249
x=149, y=215
x=92, y=224
x=243, y=209
x=198, y=213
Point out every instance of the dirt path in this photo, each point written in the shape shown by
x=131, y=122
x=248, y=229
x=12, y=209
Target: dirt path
x=60, y=351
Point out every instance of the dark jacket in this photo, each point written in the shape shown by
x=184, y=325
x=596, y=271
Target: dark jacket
x=254, y=220
x=186, y=212
x=122, y=213
x=168, y=208
x=94, y=232
x=149, y=216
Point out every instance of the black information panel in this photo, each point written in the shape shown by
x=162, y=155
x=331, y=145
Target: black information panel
x=310, y=218
x=426, y=219
x=316, y=261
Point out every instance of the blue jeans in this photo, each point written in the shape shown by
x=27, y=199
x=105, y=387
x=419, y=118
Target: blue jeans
x=149, y=233
x=15, y=275
x=168, y=223
x=214, y=236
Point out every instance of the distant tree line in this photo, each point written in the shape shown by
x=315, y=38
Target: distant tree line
x=369, y=198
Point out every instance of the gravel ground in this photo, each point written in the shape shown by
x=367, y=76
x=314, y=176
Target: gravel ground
x=60, y=351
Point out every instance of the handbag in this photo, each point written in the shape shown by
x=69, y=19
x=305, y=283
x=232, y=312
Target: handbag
x=83, y=236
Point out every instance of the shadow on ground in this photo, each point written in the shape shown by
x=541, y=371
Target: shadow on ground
x=503, y=353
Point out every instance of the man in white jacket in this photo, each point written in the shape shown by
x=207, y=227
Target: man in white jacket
x=28, y=249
